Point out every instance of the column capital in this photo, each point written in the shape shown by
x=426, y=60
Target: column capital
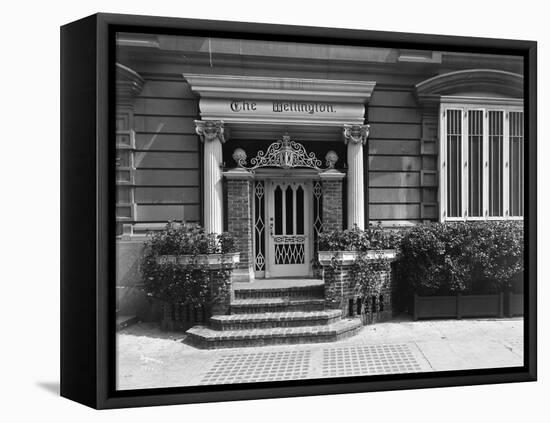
x=209, y=130
x=356, y=134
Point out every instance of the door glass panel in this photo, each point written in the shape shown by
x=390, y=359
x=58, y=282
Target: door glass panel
x=278, y=211
x=289, y=193
x=300, y=211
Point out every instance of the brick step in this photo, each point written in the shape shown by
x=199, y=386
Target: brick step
x=308, y=291
x=274, y=305
x=204, y=337
x=272, y=320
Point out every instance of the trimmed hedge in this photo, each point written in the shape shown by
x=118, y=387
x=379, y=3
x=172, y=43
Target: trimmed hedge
x=191, y=283
x=374, y=237
x=462, y=257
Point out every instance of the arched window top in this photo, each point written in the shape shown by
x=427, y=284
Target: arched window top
x=471, y=82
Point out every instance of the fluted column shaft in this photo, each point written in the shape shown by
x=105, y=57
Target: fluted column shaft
x=355, y=136
x=212, y=135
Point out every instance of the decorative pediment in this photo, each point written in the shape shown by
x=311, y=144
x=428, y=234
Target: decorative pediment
x=480, y=82
x=287, y=101
x=285, y=154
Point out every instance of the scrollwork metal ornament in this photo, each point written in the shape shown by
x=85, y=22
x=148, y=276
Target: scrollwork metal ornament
x=356, y=133
x=286, y=154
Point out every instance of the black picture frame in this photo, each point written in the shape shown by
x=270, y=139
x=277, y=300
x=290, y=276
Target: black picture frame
x=87, y=211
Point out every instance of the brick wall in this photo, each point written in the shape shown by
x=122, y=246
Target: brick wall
x=333, y=213
x=239, y=220
x=340, y=294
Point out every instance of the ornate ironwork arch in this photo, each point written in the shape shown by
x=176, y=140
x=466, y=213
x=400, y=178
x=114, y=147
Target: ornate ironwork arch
x=285, y=153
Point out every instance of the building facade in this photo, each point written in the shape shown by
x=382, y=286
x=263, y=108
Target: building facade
x=278, y=141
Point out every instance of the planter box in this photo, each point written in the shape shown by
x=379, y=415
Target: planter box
x=458, y=306
x=514, y=305
x=212, y=260
x=348, y=257
x=182, y=317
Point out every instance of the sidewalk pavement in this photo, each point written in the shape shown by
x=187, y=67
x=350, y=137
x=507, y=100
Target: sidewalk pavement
x=150, y=358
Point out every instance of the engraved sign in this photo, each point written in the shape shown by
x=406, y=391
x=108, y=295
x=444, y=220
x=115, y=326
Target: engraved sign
x=283, y=111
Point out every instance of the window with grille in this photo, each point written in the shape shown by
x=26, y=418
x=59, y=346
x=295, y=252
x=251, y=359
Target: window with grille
x=481, y=162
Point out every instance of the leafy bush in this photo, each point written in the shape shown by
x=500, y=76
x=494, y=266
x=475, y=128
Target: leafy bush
x=372, y=238
x=461, y=257
x=189, y=282
x=367, y=273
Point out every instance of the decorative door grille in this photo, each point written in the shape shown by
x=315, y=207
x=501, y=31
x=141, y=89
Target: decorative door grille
x=289, y=249
x=259, y=226
x=317, y=214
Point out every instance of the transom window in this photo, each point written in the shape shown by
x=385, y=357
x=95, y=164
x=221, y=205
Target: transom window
x=481, y=162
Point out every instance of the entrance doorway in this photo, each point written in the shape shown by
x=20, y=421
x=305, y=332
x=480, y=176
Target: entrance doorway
x=289, y=228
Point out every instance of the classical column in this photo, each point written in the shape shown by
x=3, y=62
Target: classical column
x=212, y=135
x=355, y=136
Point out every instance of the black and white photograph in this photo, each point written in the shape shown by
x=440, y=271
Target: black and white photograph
x=291, y=211
x=282, y=211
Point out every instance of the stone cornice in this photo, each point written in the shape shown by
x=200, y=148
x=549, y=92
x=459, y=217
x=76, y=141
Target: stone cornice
x=331, y=175
x=274, y=88
x=128, y=84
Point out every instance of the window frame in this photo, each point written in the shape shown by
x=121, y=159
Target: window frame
x=486, y=105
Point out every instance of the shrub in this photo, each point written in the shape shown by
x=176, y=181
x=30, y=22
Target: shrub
x=355, y=239
x=367, y=273
x=190, y=282
x=461, y=257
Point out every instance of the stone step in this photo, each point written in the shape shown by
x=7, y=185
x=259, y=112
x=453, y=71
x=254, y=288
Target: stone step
x=274, y=305
x=123, y=321
x=307, y=291
x=204, y=337
x=272, y=320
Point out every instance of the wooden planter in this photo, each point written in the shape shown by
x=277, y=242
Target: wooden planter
x=514, y=305
x=340, y=290
x=180, y=317
x=458, y=306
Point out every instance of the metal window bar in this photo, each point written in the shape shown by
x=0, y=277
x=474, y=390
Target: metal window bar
x=454, y=159
x=475, y=163
x=516, y=163
x=496, y=139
